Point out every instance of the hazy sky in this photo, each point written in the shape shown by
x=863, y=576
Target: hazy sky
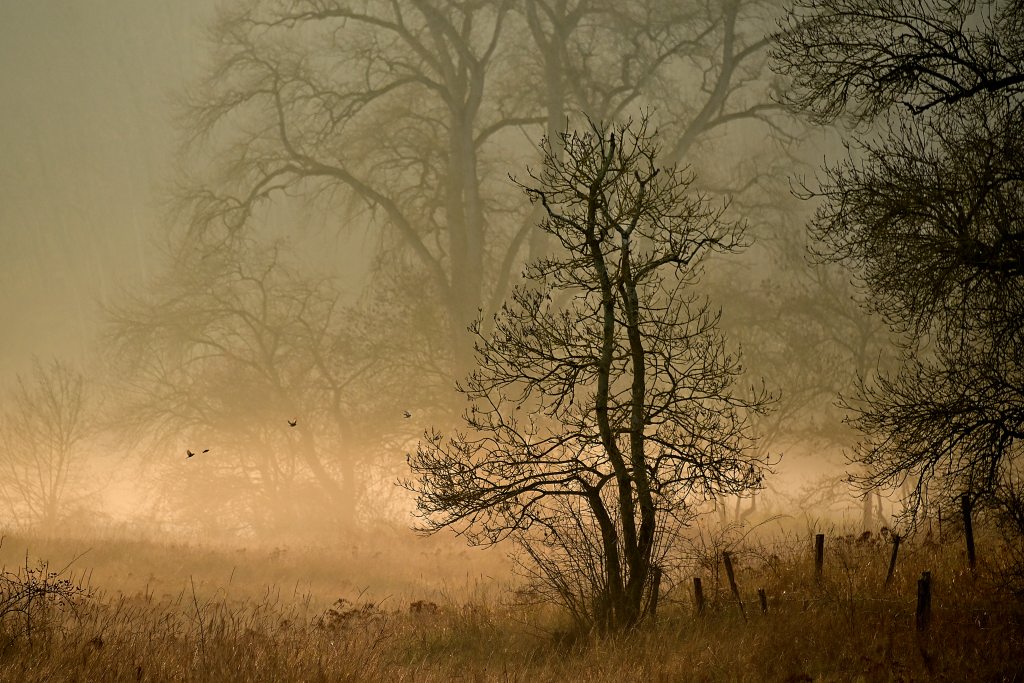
x=89, y=90
x=86, y=153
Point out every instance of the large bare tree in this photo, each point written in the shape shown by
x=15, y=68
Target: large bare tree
x=600, y=419
x=415, y=111
x=407, y=116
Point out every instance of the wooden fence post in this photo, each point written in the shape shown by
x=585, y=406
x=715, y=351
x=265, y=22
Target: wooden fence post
x=892, y=559
x=965, y=507
x=763, y=599
x=698, y=595
x=819, y=555
x=923, y=615
x=732, y=583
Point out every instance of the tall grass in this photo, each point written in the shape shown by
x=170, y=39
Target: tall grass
x=846, y=627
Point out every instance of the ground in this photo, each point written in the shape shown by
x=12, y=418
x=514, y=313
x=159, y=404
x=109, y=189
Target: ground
x=392, y=607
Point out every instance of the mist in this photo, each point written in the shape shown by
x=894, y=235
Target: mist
x=92, y=133
x=295, y=305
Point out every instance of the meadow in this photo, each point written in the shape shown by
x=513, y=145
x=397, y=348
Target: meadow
x=390, y=606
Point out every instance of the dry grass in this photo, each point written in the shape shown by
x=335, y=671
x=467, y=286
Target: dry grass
x=846, y=627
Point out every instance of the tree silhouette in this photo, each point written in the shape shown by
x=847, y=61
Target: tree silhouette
x=860, y=57
x=228, y=349
x=409, y=114
x=44, y=428
x=927, y=210
x=603, y=408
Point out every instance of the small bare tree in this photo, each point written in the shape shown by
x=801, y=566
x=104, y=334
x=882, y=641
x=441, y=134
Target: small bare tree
x=220, y=352
x=42, y=430
x=603, y=408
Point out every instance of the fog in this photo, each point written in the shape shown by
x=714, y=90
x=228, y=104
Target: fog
x=107, y=265
x=87, y=139
x=443, y=339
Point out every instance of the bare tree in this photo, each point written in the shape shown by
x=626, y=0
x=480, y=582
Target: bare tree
x=701, y=67
x=414, y=111
x=928, y=212
x=223, y=353
x=44, y=427
x=596, y=425
x=802, y=325
x=860, y=57
x=942, y=219
x=382, y=101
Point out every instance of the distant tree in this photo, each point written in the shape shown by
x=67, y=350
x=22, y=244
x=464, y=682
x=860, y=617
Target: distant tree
x=801, y=325
x=407, y=115
x=604, y=408
x=221, y=353
x=44, y=428
x=929, y=212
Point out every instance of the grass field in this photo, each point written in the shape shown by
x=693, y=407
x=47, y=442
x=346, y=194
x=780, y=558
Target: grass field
x=391, y=607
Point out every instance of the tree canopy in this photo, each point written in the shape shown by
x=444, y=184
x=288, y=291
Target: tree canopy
x=407, y=115
x=928, y=210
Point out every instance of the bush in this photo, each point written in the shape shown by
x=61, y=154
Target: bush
x=31, y=596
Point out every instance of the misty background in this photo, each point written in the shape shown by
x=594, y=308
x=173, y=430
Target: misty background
x=95, y=275
x=89, y=145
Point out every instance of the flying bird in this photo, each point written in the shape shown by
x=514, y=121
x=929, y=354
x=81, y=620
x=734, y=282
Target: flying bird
x=190, y=453
x=206, y=450
x=292, y=423
x=406, y=413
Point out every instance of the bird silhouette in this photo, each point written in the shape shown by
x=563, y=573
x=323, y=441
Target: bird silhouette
x=206, y=450
x=190, y=453
x=406, y=413
x=292, y=423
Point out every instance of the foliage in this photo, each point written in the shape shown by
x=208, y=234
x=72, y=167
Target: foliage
x=604, y=405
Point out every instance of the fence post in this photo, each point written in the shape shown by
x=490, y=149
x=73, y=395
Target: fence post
x=732, y=582
x=698, y=595
x=923, y=615
x=763, y=598
x=892, y=559
x=819, y=555
x=965, y=507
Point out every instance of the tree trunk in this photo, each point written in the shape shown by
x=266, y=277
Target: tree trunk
x=640, y=555
x=608, y=612
x=307, y=449
x=465, y=235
